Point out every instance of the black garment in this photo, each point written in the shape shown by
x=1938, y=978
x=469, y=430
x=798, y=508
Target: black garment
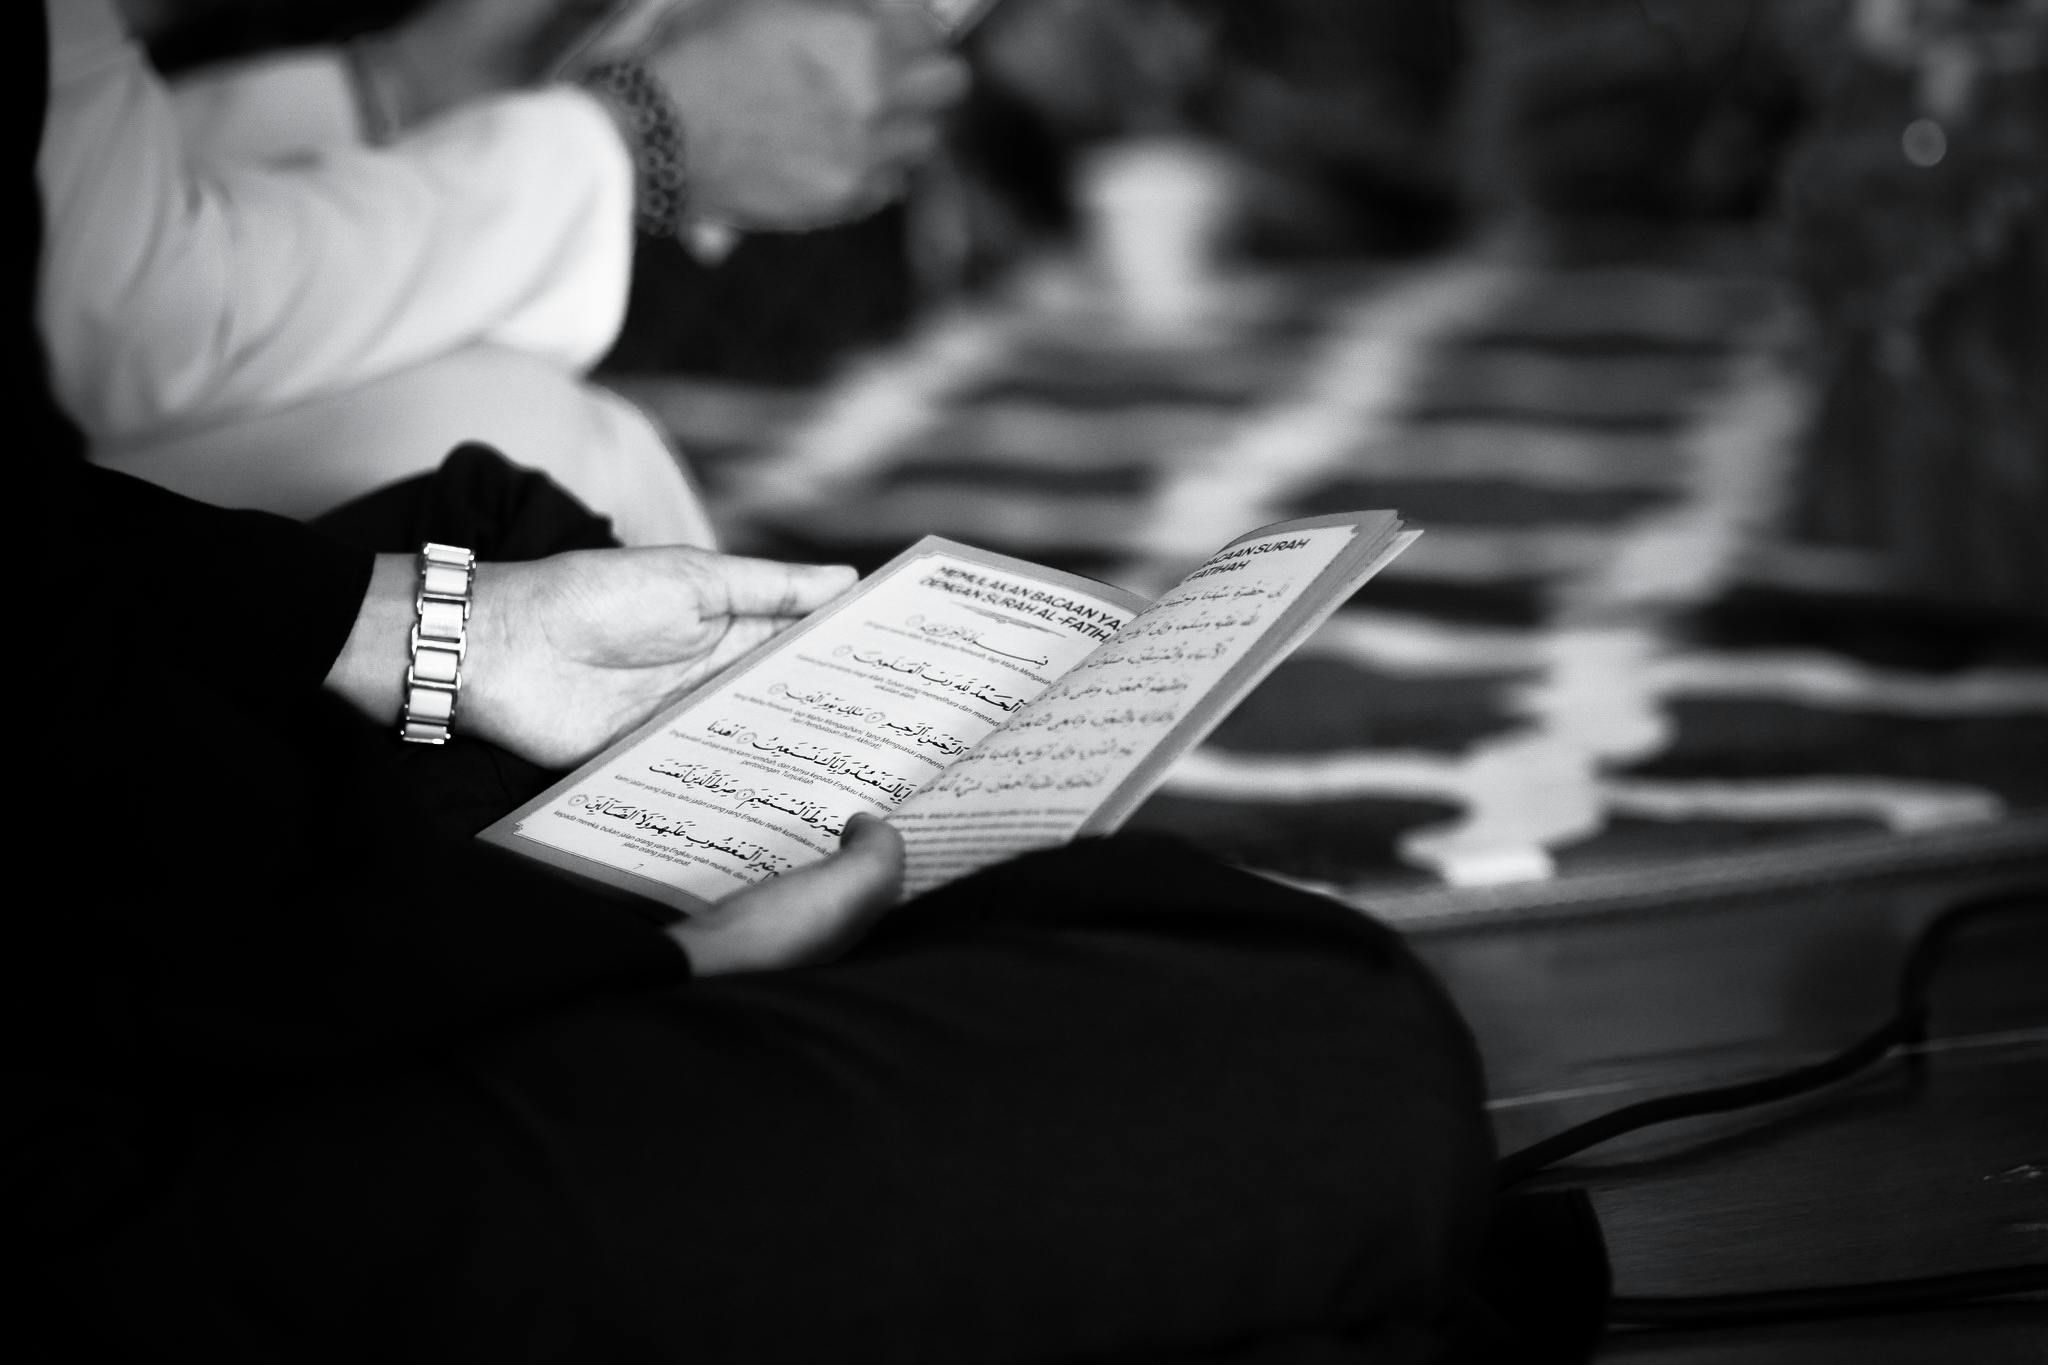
x=300, y=1076
x=1112, y=1102
x=1039, y=1118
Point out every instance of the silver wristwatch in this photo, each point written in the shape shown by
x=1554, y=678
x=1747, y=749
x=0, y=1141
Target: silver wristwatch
x=440, y=637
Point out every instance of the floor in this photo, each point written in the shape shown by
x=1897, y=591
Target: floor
x=1876, y=1179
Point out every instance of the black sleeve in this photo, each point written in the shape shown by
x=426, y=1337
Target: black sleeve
x=141, y=573
x=252, y=874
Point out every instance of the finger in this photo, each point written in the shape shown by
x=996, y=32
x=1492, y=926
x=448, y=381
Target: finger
x=875, y=191
x=768, y=587
x=678, y=21
x=742, y=636
x=910, y=28
x=932, y=84
x=811, y=915
x=832, y=898
x=899, y=145
x=865, y=877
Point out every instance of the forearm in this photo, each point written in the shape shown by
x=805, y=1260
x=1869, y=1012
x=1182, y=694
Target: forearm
x=369, y=673
x=180, y=293
x=276, y=108
x=261, y=598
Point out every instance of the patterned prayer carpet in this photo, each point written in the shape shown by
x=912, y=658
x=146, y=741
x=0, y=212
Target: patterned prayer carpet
x=1602, y=679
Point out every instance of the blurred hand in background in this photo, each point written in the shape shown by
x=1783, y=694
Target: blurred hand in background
x=802, y=113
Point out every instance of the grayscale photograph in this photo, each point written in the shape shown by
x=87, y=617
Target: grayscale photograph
x=1033, y=682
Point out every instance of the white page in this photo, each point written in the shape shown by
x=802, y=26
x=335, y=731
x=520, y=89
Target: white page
x=1067, y=753
x=757, y=773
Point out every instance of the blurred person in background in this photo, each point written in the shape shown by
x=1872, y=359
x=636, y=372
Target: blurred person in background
x=1335, y=123
x=287, y=282
x=1338, y=122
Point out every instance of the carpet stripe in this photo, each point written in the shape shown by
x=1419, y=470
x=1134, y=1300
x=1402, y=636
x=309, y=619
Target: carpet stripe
x=1390, y=642
x=1364, y=374
x=1901, y=805
x=1814, y=679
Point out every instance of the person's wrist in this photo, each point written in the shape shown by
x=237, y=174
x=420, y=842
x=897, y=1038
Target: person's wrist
x=369, y=672
x=491, y=605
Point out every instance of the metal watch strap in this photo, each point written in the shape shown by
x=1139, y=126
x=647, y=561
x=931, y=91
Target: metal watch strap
x=653, y=128
x=440, y=638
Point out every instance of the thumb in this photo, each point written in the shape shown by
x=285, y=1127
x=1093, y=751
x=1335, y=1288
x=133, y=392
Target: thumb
x=855, y=885
x=811, y=915
x=768, y=587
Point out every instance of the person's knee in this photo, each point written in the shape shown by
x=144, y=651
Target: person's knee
x=1270, y=1029
x=1159, y=883
x=1156, y=915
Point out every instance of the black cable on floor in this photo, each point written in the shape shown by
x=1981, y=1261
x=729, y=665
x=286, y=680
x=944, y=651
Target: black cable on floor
x=1906, y=1028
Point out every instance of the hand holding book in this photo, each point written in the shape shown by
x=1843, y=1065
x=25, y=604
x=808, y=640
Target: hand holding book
x=566, y=652
x=984, y=705
x=807, y=916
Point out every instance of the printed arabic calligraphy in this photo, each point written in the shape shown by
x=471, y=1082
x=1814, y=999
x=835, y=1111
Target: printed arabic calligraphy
x=752, y=856
x=835, y=761
x=940, y=630
x=719, y=782
x=965, y=683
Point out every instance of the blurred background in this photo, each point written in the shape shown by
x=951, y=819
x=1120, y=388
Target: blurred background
x=1704, y=338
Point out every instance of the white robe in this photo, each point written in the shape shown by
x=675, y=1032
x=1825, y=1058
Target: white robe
x=245, y=302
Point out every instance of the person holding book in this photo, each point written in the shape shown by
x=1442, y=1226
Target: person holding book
x=286, y=283
x=300, y=1073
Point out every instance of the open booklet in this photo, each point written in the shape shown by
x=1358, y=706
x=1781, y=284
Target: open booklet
x=985, y=706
